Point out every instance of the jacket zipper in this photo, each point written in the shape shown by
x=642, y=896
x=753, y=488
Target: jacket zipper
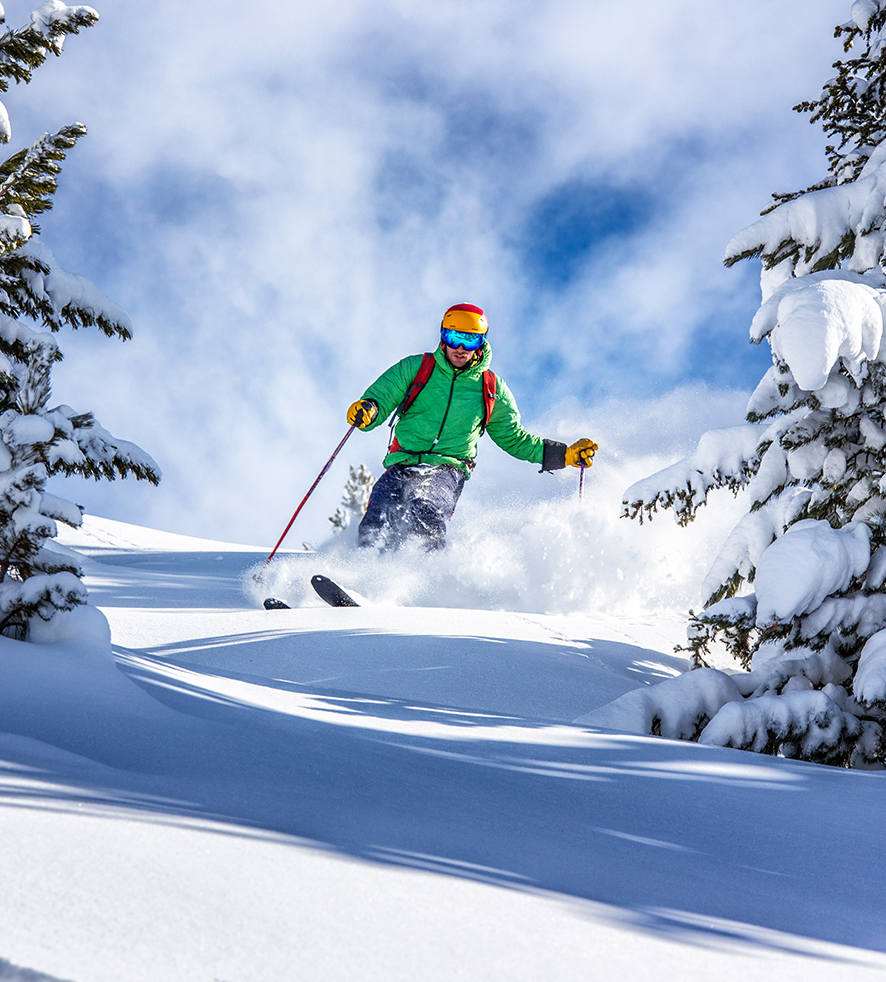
x=430, y=450
x=446, y=412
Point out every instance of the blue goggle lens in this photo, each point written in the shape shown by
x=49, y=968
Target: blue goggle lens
x=462, y=339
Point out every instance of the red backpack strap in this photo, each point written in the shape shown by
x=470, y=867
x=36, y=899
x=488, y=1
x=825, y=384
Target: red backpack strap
x=489, y=395
x=417, y=384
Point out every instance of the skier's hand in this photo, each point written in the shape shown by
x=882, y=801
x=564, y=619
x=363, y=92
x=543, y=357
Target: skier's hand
x=362, y=413
x=581, y=453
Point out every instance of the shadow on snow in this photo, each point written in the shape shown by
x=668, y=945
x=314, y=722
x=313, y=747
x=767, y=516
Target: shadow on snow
x=672, y=835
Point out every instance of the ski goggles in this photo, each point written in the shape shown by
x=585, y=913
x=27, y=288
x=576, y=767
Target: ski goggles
x=462, y=339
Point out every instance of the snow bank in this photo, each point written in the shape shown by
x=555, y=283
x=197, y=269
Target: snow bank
x=85, y=625
x=807, y=564
x=677, y=708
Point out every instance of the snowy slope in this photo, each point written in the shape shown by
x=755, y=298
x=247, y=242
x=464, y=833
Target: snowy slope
x=224, y=793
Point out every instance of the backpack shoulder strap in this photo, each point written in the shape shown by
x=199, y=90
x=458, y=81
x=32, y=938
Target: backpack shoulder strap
x=489, y=395
x=419, y=382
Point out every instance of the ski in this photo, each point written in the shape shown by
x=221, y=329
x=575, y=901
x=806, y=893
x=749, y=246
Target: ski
x=331, y=592
x=328, y=591
x=272, y=603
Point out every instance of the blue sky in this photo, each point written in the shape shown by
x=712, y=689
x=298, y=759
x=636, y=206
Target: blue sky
x=286, y=201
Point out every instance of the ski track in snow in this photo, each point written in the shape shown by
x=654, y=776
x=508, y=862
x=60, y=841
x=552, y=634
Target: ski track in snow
x=389, y=793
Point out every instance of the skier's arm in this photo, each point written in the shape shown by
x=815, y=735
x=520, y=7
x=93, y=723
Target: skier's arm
x=506, y=430
x=389, y=390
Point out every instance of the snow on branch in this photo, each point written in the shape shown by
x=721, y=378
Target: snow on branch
x=824, y=228
x=863, y=11
x=92, y=451
x=24, y=50
x=54, y=20
x=815, y=321
x=68, y=298
x=28, y=179
x=806, y=725
x=19, y=341
x=747, y=542
x=808, y=563
x=678, y=708
x=777, y=669
x=870, y=678
x=40, y=595
x=60, y=509
x=723, y=458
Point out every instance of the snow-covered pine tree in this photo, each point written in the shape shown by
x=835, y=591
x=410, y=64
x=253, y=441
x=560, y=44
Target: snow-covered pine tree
x=357, y=489
x=797, y=592
x=36, y=439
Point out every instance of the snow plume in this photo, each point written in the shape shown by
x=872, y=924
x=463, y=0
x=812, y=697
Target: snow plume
x=545, y=551
x=561, y=556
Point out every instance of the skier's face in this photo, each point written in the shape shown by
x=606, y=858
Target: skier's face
x=457, y=357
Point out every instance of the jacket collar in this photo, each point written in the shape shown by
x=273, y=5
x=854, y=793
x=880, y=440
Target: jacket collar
x=475, y=368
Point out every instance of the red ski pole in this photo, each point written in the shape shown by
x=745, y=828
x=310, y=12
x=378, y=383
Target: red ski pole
x=308, y=495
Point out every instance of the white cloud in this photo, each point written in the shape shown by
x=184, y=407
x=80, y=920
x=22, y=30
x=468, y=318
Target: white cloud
x=286, y=200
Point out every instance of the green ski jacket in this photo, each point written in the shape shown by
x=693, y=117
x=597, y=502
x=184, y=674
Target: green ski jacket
x=445, y=422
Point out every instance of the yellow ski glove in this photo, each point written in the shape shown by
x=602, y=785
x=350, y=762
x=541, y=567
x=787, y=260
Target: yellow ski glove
x=581, y=453
x=362, y=413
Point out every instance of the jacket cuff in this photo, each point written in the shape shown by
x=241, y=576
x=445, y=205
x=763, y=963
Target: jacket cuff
x=554, y=456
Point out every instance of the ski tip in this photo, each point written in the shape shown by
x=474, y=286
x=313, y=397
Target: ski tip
x=331, y=592
x=272, y=603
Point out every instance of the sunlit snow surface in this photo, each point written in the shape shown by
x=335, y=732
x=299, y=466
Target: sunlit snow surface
x=396, y=792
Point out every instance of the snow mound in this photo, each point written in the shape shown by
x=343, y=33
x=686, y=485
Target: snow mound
x=677, y=708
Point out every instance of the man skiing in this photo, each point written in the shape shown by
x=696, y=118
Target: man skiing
x=442, y=403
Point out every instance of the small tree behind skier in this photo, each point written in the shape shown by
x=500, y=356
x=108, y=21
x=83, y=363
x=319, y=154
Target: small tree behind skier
x=441, y=404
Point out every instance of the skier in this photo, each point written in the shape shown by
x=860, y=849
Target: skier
x=441, y=404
